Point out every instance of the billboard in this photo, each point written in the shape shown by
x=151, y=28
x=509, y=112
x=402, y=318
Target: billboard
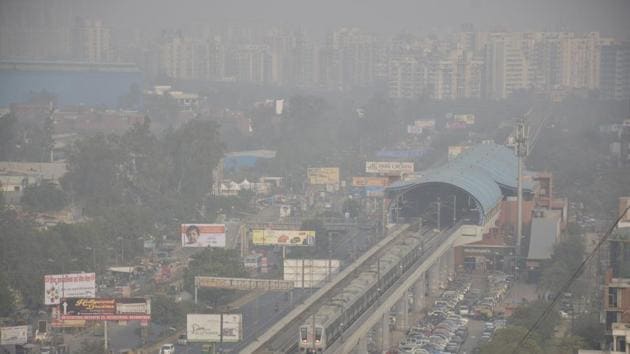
x=370, y=181
x=14, y=335
x=468, y=119
x=456, y=125
x=390, y=168
x=323, y=175
x=214, y=328
x=412, y=129
x=402, y=154
x=203, y=235
x=283, y=237
x=455, y=150
x=425, y=123
x=309, y=273
x=242, y=283
x=106, y=309
x=58, y=286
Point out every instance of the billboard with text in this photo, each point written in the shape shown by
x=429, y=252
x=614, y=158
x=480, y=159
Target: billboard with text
x=389, y=168
x=242, y=283
x=455, y=150
x=14, y=335
x=213, y=328
x=309, y=273
x=283, y=237
x=58, y=286
x=203, y=235
x=105, y=309
x=369, y=181
x=323, y=175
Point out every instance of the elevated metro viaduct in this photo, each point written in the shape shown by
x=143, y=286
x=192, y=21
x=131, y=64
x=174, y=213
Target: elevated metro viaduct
x=468, y=192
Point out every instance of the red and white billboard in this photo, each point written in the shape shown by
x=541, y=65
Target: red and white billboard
x=203, y=235
x=58, y=286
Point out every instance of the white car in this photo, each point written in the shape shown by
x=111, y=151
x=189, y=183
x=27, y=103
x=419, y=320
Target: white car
x=167, y=349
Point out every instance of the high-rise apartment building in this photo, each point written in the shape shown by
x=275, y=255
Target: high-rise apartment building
x=580, y=61
x=506, y=65
x=614, y=70
x=406, y=77
x=91, y=41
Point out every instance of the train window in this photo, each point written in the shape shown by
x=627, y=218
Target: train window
x=318, y=334
x=303, y=334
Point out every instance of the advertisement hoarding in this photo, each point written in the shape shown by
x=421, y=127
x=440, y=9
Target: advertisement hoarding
x=369, y=181
x=123, y=309
x=58, y=286
x=203, y=235
x=323, y=175
x=214, y=328
x=402, y=154
x=309, y=273
x=425, y=123
x=243, y=283
x=283, y=237
x=456, y=125
x=455, y=150
x=14, y=335
x=468, y=119
x=390, y=168
x=412, y=129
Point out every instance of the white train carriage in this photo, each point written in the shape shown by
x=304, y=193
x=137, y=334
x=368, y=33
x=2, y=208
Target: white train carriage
x=331, y=319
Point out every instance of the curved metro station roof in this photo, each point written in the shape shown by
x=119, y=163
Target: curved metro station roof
x=484, y=171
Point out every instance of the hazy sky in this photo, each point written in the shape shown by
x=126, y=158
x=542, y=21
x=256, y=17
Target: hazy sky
x=606, y=16
x=387, y=16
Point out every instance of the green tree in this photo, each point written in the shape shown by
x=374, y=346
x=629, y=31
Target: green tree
x=565, y=260
x=216, y=262
x=193, y=151
x=165, y=311
x=92, y=347
x=45, y=196
x=565, y=345
x=589, y=328
x=526, y=316
x=506, y=340
x=8, y=136
x=7, y=300
x=93, y=171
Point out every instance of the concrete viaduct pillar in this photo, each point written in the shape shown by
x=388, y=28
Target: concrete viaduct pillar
x=419, y=292
x=402, y=317
x=362, y=345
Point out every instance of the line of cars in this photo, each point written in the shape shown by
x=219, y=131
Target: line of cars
x=486, y=308
x=443, y=330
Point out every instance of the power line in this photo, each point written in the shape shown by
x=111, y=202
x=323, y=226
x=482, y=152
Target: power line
x=575, y=275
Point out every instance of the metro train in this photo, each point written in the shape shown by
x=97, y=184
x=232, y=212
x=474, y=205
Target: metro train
x=331, y=319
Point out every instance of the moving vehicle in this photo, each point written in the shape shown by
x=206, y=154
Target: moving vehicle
x=182, y=339
x=167, y=349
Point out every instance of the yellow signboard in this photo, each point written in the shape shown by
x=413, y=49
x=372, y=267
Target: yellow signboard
x=323, y=175
x=283, y=237
x=369, y=181
x=455, y=150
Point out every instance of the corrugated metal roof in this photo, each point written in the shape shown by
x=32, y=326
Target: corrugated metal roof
x=481, y=170
x=544, y=234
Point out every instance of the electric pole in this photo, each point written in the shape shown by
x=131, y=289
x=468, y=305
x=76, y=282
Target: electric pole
x=522, y=132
